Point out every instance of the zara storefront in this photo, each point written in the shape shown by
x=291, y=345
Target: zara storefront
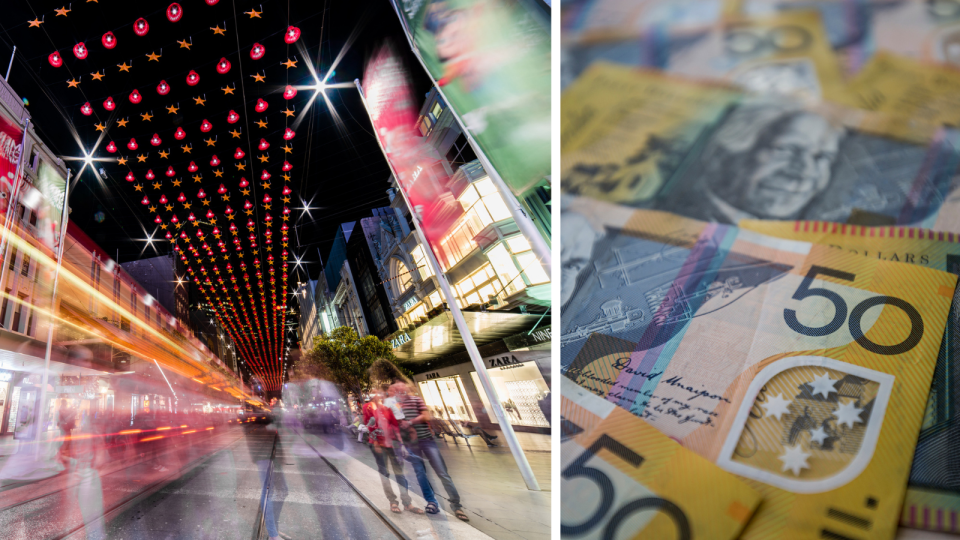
x=521, y=379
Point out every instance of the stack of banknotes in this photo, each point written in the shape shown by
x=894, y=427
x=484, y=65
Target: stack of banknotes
x=760, y=244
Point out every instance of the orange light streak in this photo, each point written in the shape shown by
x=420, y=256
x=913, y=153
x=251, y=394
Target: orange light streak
x=152, y=438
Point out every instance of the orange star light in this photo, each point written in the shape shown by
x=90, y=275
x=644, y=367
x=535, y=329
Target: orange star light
x=164, y=154
x=258, y=77
x=186, y=148
x=253, y=13
x=185, y=45
x=199, y=100
x=35, y=23
x=101, y=127
x=73, y=83
x=122, y=160
x=172, y=110
x=153, y=56
x=289, y=63
x=210, y=141
x=228, y=90
x=62, y=11
x=261, y=123
x=288, y=112
x=146, y=116
x=124, y=67
x=97, y=76
x=218, y=30
x=122, y=122
x=235, y=133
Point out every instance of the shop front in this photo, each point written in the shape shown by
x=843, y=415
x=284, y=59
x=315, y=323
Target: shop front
x=454, y=393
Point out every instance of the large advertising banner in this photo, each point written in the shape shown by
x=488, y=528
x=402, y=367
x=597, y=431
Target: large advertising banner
x=394, y=112
x=11, y=144
x=492, y=60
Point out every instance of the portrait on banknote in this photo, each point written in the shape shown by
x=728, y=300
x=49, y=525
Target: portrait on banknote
x=776, y=159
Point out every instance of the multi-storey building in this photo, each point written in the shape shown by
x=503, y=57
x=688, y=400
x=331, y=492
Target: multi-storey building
x=497, y=281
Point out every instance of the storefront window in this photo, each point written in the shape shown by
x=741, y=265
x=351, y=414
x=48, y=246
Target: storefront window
x=520, y=388
x=418, y=312
x=434, y=299
x=447, y=399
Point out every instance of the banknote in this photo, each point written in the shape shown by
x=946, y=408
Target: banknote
x=624, y=131
x=923, y=30
x=802, y=368
x=621, y=478
x=784, y=53
x=774, y=158
x=934, y=487
x=908, y=88
x=589, y=20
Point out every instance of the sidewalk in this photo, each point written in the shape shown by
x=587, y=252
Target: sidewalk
x=491, y=489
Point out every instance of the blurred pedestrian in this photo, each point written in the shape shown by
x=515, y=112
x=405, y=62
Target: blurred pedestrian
x=384, y=436
x=418, y=415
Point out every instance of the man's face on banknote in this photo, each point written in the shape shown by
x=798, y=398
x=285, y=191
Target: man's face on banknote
x=790, y=167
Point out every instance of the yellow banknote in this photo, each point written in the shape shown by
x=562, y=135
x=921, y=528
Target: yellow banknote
x=912, y=90
x=621, y=478
x=623, y=131
x=800, y=367
x=933, y=495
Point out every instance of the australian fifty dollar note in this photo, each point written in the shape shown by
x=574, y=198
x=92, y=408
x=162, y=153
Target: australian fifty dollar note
x=933, y=493
x=624, y=479
x=802, y=368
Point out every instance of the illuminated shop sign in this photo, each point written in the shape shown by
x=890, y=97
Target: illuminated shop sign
x=399, y=340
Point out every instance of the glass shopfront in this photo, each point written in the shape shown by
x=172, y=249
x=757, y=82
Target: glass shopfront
x=447, y=399
x=520, y=387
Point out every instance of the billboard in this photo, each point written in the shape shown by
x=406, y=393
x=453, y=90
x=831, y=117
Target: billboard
x=11, y=144
x=492, y=60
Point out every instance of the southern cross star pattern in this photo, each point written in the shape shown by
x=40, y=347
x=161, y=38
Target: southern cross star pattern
x=846, y=414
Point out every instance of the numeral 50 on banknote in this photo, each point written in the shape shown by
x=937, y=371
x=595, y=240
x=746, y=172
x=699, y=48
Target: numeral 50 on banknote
x=856, y=316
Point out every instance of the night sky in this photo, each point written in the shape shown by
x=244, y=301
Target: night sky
x=336, y=168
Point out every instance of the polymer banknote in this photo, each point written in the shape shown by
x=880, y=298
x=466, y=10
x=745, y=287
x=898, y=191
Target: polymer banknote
x=624, y=132
x=802, y=368
x=786, y=53
x=933, y=494
x=774, y=158
x=908, y=89
x=621, y=478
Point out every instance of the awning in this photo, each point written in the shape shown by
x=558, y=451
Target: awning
x=439, y=336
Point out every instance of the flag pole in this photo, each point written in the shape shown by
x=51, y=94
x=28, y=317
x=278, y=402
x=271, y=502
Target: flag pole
x=64, y=216
x=471, y=346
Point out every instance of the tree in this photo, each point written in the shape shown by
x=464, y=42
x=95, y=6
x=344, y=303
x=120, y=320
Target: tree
x=345, y=358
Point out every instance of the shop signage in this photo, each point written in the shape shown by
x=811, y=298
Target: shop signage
x=408, y=305
x=500, y=361
x=525, y=340
x=433, y=375
x=5, y=376
x=399, y=340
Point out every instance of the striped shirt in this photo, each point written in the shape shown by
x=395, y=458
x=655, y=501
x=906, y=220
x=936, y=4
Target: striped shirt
x=413, y=406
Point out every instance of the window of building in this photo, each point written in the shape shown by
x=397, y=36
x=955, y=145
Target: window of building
x=482, y=205
x=17, y=311
x=512, y=258
x=478, y=287
x=133, y=302
x=420, y=260
x=33, y=218
x=434, y=299
x=13, y=259
x=6, y=304
x=460, y=153
x=436, y=110
x=418, y=312
x=404, y=279
x=25, y=267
